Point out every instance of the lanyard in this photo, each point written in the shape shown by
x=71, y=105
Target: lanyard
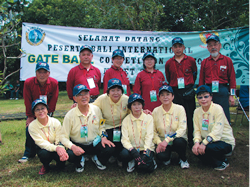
x=86, y=123
x=151, y=79
x=207, y=117
x=176, y=68
x=212, y=70
x=171, y=117
x=45, y=134
x=113, y=116
x=134, y=133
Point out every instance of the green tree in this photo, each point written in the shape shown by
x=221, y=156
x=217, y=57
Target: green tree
x=10, y=16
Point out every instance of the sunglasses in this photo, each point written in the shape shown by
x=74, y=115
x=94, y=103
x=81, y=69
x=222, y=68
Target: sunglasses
x=206, y=96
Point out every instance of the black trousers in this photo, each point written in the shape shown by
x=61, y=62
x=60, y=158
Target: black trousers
x=179, y=146
x=215, y=153
x=189, y=105
x=103, y=154
x=46, y=157
x=118, y=145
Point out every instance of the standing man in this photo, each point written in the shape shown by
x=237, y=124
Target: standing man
x=83, y=131
x=85, y=74
x=181, y=73
x=39, y=87
x=218, y=73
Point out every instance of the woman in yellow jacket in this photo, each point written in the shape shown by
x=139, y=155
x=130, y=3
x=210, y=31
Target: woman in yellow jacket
x=45, y=131
x=137, y=137
x=170, y=124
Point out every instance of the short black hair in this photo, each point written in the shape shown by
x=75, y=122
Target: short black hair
x=144, y=60
x=139, y=100
x=116, y=86
x=33, y=111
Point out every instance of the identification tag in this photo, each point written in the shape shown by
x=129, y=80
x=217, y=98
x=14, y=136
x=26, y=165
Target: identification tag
x=181, y=83
x=215, y=86
x=84, y=131
x=124, y=88
x=91, y=83
x=153, y=96
x=138, y=150
x=44, y=97
x=232, y=91
x=205, y=123
x=116, y=135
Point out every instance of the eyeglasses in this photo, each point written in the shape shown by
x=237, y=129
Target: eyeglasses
x=38, y=109
x=206, y=96
x=213, y=45
x=83, y=94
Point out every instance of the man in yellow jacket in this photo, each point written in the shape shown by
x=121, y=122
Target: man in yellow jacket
x=213, y=136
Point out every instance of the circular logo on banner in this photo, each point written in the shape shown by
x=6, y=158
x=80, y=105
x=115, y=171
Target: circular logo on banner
x=204, y=35
x=35, y=36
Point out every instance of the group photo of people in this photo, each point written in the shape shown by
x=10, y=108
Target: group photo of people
x=137, y=127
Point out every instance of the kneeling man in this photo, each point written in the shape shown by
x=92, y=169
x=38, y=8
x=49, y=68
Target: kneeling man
x=213, y=136
x=83, y=131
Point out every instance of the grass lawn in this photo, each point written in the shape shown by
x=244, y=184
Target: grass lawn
x=13, y=173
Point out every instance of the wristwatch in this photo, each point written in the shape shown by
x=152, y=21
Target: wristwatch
x=104, y=134
x=209, y=139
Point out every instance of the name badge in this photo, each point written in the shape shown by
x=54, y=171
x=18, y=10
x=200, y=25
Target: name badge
x=116, y=135
x=181, y=83
x=215, y=86
x=205, y=123
x=84, y=131
x=124, y=88
x=44, y=97
x=91, y=83
x=153, y=96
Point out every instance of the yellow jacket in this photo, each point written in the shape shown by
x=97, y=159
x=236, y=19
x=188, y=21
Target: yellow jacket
x=175, y=117
x=138, y=133
x=46, y=137
x=73, y=121
x=114, y=113
x=218, y=128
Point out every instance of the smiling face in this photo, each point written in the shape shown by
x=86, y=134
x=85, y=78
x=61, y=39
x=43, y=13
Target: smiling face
x=166, y=97
x=115, y=94
x=42, y=75
x=136, y=108
x=149, y=62
x=82, y=98
x=40, y=111
x=204, y=100
x=117, y=61
x=86, y=57
x=178, y=49
x=214, y=48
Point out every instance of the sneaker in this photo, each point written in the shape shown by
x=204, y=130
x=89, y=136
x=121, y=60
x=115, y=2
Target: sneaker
x=223, y=166
x=23, y=159
x=184, y=165
x=155, y=164
x=42, y=171
x=112, y=160
x=167, y=162
x=81, y=169
x=119, y=163
x=98, y=163
x=131, y=166
x=16, y=98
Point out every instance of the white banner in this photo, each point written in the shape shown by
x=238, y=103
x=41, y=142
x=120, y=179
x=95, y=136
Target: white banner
x=59, y=46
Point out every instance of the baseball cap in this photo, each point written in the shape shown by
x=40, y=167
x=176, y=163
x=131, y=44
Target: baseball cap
x=213, y=37
x=78, y=88
x=86, y=47
x=177, y=40
x=166, y=88
x=114, y=82
x=42, y=65
x=118, y=52
x=147, y=54
x=134, y=97
x=36, y=102
x=203, y=88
